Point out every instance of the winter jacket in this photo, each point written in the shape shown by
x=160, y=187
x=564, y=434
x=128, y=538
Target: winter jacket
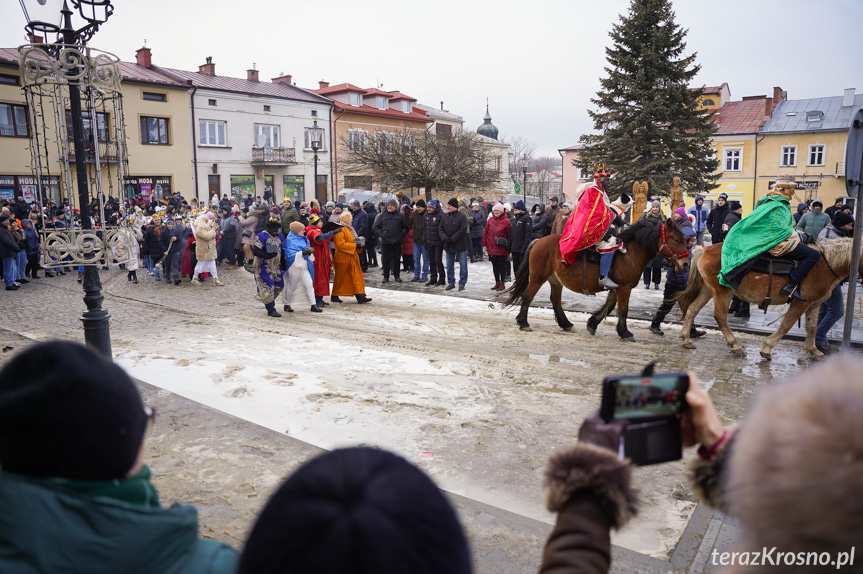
x=812, y=223
x=205, y=239
x=799, y=214
x=831, y=232
x=250, y=223
x=417, y=225
x=730, y=221
x=165, y=243
x=263, y=218
x=408, y=242
x=431, y=227
x=32, y=238
x=8, y=243
x=453, y=232
x=701, y=214
x=494, y=228
x=390, y=228
x=151, y=244
x=288, y=216
x=476, y=222
x=552, y=216
x=229, y=226
x=293, y=246
x=715, y=221
x=74, y=533
x=360, y=223
x=519, y=238
x=539, y=223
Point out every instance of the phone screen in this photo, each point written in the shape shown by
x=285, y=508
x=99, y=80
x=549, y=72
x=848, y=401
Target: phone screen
x=638, y=397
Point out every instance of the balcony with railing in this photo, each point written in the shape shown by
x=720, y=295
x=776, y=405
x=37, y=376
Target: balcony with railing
x=108, y=151
x=840, y=169
x=266, y=156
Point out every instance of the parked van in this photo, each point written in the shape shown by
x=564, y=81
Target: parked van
x=363, y=195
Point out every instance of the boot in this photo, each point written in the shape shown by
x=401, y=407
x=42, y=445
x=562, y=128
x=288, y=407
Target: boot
x=315, y=309
x=335, y=299
x=501, y=286
x=195, y=282
x=607, y=283
x=287, y=308
x=415, y=280
x=735, y=305
x=654, y=325
x=792, y=290
x=129, y=276
x=134, y=277
x=217, y=282
x=743, y=311
x=695, y=333
x=397, y=279
x=430, y=282
x=80, y=276
x=496, y=285
x=361, y=298
x=271, y=309
x=49, y=274
x=385, y=280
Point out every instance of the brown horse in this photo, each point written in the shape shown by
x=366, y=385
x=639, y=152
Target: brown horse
x=833, y=267
x=542, y=263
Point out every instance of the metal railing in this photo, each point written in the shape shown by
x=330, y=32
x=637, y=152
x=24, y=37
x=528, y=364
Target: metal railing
x=273, y=155
x=108, y=151
x=840, y=168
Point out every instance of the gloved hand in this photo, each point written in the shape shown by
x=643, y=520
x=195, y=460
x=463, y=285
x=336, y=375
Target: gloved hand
x=805, y=237
x=361, y=241
x=307, y=251
x=596, y=431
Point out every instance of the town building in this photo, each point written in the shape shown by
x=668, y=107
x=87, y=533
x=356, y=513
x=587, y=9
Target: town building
x=805, y=140
x=251, y=138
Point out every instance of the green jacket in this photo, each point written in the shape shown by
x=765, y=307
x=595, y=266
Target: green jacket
x=69, y=528
x=288, y=216
x=767, y=226
x=812, y=223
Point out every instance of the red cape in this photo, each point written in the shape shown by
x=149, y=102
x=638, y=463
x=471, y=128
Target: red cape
x=321, y=282
x=587, y=225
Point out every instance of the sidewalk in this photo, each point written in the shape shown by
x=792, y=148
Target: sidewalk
x=642, y=304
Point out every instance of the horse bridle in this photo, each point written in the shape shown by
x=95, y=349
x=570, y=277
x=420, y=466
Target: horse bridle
x=668, y=254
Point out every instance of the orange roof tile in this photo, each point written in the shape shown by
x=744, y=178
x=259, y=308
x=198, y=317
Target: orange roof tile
x=745, y=117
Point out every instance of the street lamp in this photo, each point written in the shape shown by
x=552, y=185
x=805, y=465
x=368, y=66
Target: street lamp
x=316, y=135
x=47, y=16
x=524, y=172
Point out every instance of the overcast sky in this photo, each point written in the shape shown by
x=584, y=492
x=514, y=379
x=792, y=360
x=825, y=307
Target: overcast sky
x=538, y=62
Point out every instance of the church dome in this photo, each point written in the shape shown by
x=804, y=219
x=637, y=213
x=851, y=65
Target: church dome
x=487, y=128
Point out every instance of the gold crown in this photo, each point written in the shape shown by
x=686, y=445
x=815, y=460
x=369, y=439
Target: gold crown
x=601, y=171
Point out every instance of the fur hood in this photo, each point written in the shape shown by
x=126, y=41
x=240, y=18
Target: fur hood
x=795, y=474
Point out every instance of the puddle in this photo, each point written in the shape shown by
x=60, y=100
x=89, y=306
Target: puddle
x=541, y=358
x=545, y=359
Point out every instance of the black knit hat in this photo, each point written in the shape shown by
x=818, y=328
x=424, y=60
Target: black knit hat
x=453, y=201
x=734, y=205
x=67, y=412
x=357, y=511
x=841, y=218
x=420, y=203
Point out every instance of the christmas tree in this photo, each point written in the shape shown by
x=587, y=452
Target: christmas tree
x=651, y=128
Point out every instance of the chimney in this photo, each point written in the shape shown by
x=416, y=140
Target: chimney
x=848, y=98
x=441, y=105
x=209, y=68
x=252, y=75
x=322, y=84
x=283, y=79
x=768, y=106
x=777, y=95
x=143, y=55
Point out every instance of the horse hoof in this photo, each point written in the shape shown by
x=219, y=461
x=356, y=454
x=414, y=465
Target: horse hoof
x=525, y=328
x=629, y=339
x=591, y=330
x=568, y=328
x=689, y=345
x=767, y=355
x=737, y=351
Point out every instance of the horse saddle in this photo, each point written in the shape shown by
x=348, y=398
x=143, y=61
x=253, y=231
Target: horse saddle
x=590, y=254
x=774, y=265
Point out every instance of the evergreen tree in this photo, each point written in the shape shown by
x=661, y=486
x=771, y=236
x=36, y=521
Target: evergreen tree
x=650, y=124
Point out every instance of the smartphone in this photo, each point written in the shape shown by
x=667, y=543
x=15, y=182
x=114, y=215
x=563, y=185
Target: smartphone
x=652, y=406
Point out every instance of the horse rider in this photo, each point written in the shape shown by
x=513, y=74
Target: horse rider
x=590, y=225
x=769, y=228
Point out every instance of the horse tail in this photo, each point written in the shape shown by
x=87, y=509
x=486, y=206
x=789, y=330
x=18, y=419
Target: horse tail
x=693, y=285
x=522, y=279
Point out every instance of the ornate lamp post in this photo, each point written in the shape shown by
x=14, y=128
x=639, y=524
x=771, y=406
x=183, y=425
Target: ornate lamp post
x=524, y=186
x=316, y=135
x=51, y=17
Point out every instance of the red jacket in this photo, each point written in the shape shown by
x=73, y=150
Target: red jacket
x=494, y=228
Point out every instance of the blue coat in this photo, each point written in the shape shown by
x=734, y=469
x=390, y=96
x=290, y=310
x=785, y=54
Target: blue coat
x=361, y=223
x=295, y=243
x=701, y=214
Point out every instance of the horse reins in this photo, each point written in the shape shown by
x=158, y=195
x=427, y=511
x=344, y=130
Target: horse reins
x=669, y=254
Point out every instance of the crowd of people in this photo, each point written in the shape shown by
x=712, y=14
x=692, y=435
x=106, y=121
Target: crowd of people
x=73, y=428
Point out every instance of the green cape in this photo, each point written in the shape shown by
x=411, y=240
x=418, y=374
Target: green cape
x=767, y=226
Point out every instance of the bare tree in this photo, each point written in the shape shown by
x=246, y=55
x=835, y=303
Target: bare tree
x=413, y=158
x=519, y=148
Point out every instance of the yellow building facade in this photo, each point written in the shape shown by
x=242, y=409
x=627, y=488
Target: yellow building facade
x=157, y=129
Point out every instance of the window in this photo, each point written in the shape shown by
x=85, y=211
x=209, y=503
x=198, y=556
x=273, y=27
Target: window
x=355, y=99
x=581, y=174
x=443, y=131
x=101, y=120
x=406, y=106
x=384, y=141
x=733, y=159
x=814, y=116
x=212, y=133
x=267, y=136
x=9, y=80
x=497, y=164
x=357, y=140
x=307, y=140
x=266, y=108
x=789, y=156
x=816, y=154
x=154, y=131
x=708, y=102
x=314, y=113
x=211, y=102
x=13, y=121
x=154, y=96
x=382, y=102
